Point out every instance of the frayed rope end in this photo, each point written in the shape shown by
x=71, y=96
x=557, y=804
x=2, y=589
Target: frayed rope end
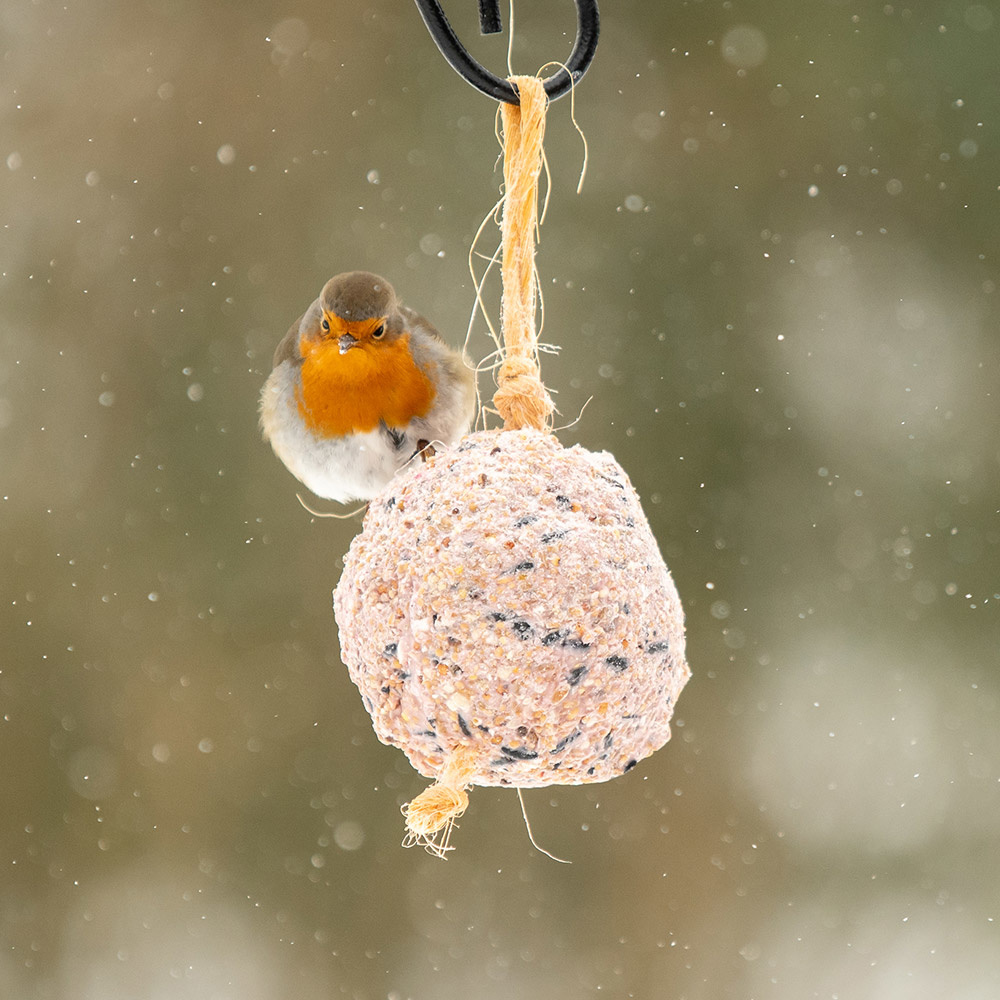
x=431, y=816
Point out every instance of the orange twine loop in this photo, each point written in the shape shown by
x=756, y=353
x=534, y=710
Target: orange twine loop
x=521, y=398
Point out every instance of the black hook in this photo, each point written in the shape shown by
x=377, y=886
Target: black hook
x=588, y=27
x=489, y=17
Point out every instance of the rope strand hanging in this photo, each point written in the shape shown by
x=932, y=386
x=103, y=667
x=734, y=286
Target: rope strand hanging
x=521, y=398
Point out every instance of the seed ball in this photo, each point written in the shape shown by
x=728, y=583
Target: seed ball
x=506, y=602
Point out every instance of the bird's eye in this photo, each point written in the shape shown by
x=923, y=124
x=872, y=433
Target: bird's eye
x=378, y=332
x=325, y=324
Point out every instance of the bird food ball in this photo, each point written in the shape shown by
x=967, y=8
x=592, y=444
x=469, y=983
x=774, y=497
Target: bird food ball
x=506, y=606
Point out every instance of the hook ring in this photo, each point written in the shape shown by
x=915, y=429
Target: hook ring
x=587, y=31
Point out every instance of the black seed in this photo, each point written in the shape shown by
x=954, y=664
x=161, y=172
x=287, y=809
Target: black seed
x=626, y=608
x=402, y=674
x=427, y=732
x=577, y=643
x=575, y=674
x=564, y=501
x=614, y=482
x=552, y=536
x=591, y=770
x=495, y=451
x=527, y=564
x=391, y=649
x=390, y=503
x=617, y=663
x=518, y=753
x=552, y=637
x=463, y=726
x=526, y=520
x=658, y=647
x=608, y=740
x=629, y=765
x=565, y=742
x=522, y=628
x=629, y=522
x=500, y=616
x=482, y=728
x=386, y=689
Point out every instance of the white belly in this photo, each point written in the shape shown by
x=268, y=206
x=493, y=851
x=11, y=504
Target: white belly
x=352, y=467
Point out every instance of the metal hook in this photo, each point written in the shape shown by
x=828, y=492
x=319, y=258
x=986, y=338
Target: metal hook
x=588, y=27
x=489, y=17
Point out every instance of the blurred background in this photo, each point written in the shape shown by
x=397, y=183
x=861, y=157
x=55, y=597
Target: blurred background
x=779, y=285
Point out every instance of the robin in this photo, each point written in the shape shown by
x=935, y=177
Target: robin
x=361, y=384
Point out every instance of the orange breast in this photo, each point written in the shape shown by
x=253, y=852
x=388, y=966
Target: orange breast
x=351, y=392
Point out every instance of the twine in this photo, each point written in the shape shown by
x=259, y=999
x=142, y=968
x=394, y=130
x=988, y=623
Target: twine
x=521, y=398
x=431, y=816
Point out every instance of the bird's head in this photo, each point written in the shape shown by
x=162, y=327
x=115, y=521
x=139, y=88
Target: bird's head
x=357, y=310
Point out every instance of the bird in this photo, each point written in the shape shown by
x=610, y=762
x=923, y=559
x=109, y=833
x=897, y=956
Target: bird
x=360, y=385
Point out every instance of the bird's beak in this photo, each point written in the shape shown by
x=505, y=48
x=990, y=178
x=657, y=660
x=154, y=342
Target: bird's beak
x=346, y=342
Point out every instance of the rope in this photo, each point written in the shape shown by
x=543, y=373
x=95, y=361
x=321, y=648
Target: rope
x=521, y=398
x=431, y=816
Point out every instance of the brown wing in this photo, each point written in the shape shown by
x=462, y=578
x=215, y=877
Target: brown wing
x=288, y=348
x=414, y=319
